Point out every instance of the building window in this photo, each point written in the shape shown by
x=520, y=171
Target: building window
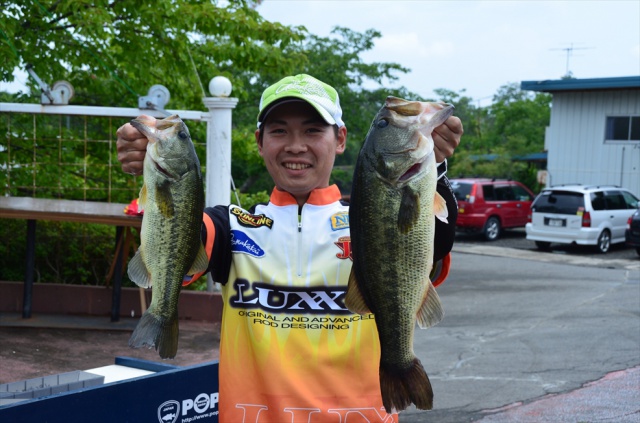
x=623, y=128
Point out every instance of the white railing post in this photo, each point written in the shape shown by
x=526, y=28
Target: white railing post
x=218, y=175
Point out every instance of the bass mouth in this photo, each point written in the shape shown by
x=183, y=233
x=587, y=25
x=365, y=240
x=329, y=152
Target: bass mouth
x=162, y=170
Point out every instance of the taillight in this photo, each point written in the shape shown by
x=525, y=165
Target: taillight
x=471, y=198
x=586, y=219
x=629, y=222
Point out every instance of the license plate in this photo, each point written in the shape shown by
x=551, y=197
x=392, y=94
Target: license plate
x=555, y=222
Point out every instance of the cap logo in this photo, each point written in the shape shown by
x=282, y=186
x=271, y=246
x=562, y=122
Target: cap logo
x=304, y=87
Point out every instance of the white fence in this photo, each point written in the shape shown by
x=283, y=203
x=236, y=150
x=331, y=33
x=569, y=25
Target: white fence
x=218, y=137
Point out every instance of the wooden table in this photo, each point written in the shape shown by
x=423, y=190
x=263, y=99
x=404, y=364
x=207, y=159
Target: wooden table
x=34, y=209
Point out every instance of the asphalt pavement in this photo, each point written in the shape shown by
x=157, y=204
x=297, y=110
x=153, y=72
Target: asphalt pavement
x=534, y=337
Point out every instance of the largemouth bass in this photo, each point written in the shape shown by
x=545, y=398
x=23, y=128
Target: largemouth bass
x=393, y=204
x=172, y=197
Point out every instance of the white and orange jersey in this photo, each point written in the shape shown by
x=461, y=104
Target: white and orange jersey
x=290, y=351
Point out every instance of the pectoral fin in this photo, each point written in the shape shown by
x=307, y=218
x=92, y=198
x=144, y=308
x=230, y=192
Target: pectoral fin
x=138, y=271
x=430, y=312
x=201, y=262
x=409, y=210
x=142, y=197
x=354, y=299
x=164, y=200
x=440, y=208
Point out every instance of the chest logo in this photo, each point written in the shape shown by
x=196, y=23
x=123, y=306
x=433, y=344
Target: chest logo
x=344, y=243
x=241, y=243
x=340, y=221
x=249, y=220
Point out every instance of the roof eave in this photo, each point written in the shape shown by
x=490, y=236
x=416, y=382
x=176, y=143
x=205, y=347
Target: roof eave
x=590, y=84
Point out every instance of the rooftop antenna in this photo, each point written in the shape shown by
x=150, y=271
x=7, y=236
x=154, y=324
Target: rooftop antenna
x=569, y=50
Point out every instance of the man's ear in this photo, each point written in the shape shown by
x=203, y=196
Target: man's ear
x=342, y=140
x=258, y=141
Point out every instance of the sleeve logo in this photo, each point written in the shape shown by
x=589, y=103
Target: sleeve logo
x=249, y=220
x=241, y=243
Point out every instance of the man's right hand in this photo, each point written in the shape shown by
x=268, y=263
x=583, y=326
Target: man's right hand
x=132, y=146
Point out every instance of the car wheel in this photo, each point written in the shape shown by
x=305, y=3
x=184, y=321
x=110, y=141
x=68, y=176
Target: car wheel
x=543, y=245
x=492, y=229
x=604, y=242
x=638, y=250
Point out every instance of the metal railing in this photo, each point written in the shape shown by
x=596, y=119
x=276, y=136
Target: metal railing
x=69, y=152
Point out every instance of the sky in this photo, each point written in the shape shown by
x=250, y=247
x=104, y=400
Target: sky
x=477, y=46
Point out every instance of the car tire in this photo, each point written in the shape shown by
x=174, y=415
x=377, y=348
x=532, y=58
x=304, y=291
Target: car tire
x=638, y=250
x=543, y=245
x=492, y=229
x=604, y=242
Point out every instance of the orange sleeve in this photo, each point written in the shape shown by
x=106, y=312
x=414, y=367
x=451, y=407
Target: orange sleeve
x=442, y=270
x=208, y=247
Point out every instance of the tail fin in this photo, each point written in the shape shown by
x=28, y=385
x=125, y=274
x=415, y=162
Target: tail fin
x=153, y=331
x=401, y=389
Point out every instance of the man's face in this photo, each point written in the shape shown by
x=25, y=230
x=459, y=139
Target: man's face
x=299, y=148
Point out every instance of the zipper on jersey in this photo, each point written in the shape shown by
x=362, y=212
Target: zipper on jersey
x=300, y=246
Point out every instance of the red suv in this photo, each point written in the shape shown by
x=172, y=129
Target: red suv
x=489, y=205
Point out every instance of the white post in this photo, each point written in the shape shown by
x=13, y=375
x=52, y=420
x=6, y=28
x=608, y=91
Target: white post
x=218, y=175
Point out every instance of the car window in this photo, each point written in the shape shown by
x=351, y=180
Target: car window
x=504, y=193
x=561, y=202
x=461, y=190
x=598, y=201
x=488, y=193
x=520, y=193
x=632, y=202
x=615, y=200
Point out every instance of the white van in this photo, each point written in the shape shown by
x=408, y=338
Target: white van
x=583, y=215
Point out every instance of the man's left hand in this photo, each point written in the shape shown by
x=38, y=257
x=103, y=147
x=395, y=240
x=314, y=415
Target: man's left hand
x=446, y=138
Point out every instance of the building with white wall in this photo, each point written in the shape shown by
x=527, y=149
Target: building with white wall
x=594, y=134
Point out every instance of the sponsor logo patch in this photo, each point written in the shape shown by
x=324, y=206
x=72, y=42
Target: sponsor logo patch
x=289, y=300
x=241, y=243
x=340, y=221
x=344, y=243
x=249, y=220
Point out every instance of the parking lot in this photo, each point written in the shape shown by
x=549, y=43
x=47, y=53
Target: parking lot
x=534, y=337
x=516, y=238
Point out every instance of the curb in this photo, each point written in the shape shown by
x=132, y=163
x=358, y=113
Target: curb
x=549, y=257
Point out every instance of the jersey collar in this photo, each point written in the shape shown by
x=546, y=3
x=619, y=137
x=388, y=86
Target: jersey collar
x=318, y=197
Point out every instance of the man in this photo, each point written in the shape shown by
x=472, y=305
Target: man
x=290, y=351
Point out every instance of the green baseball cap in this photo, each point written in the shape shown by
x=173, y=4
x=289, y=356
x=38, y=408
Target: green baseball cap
x=323, y=97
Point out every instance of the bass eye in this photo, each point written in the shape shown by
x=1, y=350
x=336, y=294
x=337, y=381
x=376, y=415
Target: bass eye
x=382, y=123
x=183, y=135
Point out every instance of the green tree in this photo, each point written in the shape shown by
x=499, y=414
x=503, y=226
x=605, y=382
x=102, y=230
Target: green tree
x=112, y=51
x=512, y=127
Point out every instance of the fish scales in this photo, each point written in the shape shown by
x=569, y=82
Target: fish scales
x=393, y=204
x=170, y=248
